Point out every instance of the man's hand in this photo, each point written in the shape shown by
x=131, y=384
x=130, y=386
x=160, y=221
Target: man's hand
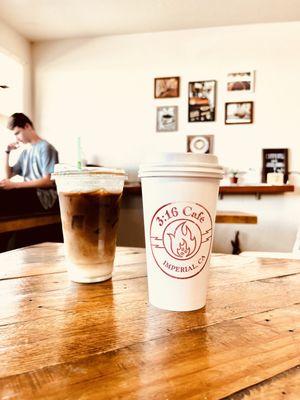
x=12, y=146
x=7, y=184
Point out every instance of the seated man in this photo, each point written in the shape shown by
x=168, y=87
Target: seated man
x=35, y=165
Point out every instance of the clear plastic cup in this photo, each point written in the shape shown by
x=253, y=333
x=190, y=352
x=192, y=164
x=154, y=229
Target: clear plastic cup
x=89, y=205
x=179, y=203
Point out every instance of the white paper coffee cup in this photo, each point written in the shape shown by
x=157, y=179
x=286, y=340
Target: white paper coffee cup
x=179, y=202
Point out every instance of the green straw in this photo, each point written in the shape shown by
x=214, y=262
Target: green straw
x=79, y=163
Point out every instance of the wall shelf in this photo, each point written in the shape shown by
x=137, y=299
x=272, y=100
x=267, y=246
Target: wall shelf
x=134, y=188
x=257, y=190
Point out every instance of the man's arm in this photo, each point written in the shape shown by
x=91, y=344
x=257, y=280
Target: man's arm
x=44, y=182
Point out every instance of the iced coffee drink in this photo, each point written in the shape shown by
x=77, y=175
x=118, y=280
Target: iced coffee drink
x=90, y=208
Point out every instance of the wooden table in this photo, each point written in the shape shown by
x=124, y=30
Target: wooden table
x=62, y=340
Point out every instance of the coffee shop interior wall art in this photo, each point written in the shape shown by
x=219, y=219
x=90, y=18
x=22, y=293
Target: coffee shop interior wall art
x=239, y=113
x=202, y=100
x=94, y=77
x=166, y=87
x=203, y=144
x=240, y=81
x=166, y=119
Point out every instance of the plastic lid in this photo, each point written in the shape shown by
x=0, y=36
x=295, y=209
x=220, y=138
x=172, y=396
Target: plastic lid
x=64, y=169
x=182, y=164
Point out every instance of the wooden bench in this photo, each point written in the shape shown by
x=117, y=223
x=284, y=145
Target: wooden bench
x=18, y=211
x=235, y=217
x=18, y=223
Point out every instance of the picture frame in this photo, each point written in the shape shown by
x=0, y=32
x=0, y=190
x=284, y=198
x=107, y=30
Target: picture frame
x=167, y=119
x=275, y=160
x=167, y=87
x=240, y=82
x=239, y=112
x=202, y=101
x=201, y=144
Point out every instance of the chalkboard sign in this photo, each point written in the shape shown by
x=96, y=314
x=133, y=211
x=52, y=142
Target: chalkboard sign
x=275, y=160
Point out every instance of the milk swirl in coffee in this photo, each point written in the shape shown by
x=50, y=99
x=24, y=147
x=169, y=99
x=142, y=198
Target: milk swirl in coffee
x=90, y=221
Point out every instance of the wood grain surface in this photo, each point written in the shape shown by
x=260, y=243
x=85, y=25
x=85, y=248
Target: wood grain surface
x=235, y=217
x=20, y=223
x=62, y=340
x=253, y=189
x=134, y=188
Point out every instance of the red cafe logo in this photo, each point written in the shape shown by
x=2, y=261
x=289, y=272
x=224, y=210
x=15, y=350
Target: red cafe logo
x=180, y=235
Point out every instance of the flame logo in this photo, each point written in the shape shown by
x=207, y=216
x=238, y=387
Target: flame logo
x=182, y=241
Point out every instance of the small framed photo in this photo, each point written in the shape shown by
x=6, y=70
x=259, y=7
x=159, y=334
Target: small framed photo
x=239, y=113
x=202, y=101
x=166, y=87
x=202, y=144
x=167, y=119
x=240, y=81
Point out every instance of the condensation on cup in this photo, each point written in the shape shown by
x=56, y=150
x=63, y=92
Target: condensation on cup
x=180, y=193
x=89, y=202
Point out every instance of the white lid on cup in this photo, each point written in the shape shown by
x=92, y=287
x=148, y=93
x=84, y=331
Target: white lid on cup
x=182, y=164
x=88, y=179
x=65, y=169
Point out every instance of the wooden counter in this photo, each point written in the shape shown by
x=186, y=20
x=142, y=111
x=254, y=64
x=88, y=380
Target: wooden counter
x=62, y=340
x=257, y=190
x=134, y=188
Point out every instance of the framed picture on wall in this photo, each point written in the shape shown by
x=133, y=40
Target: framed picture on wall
x=275, y=160
x=167, y=119
x=166, y=87
x=239, y=112
x=240, y=81
x=202, y=101
x=202, y=144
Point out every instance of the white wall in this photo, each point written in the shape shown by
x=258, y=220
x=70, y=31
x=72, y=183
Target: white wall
x=102, y=90
x=16, y=47
x=15, y=72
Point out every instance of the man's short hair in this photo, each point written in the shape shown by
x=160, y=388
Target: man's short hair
x=18, y=119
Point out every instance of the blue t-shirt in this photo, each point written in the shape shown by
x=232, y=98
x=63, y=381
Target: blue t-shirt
x=36, y=162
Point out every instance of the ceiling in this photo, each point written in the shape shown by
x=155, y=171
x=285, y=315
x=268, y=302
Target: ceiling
x=57, y=19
